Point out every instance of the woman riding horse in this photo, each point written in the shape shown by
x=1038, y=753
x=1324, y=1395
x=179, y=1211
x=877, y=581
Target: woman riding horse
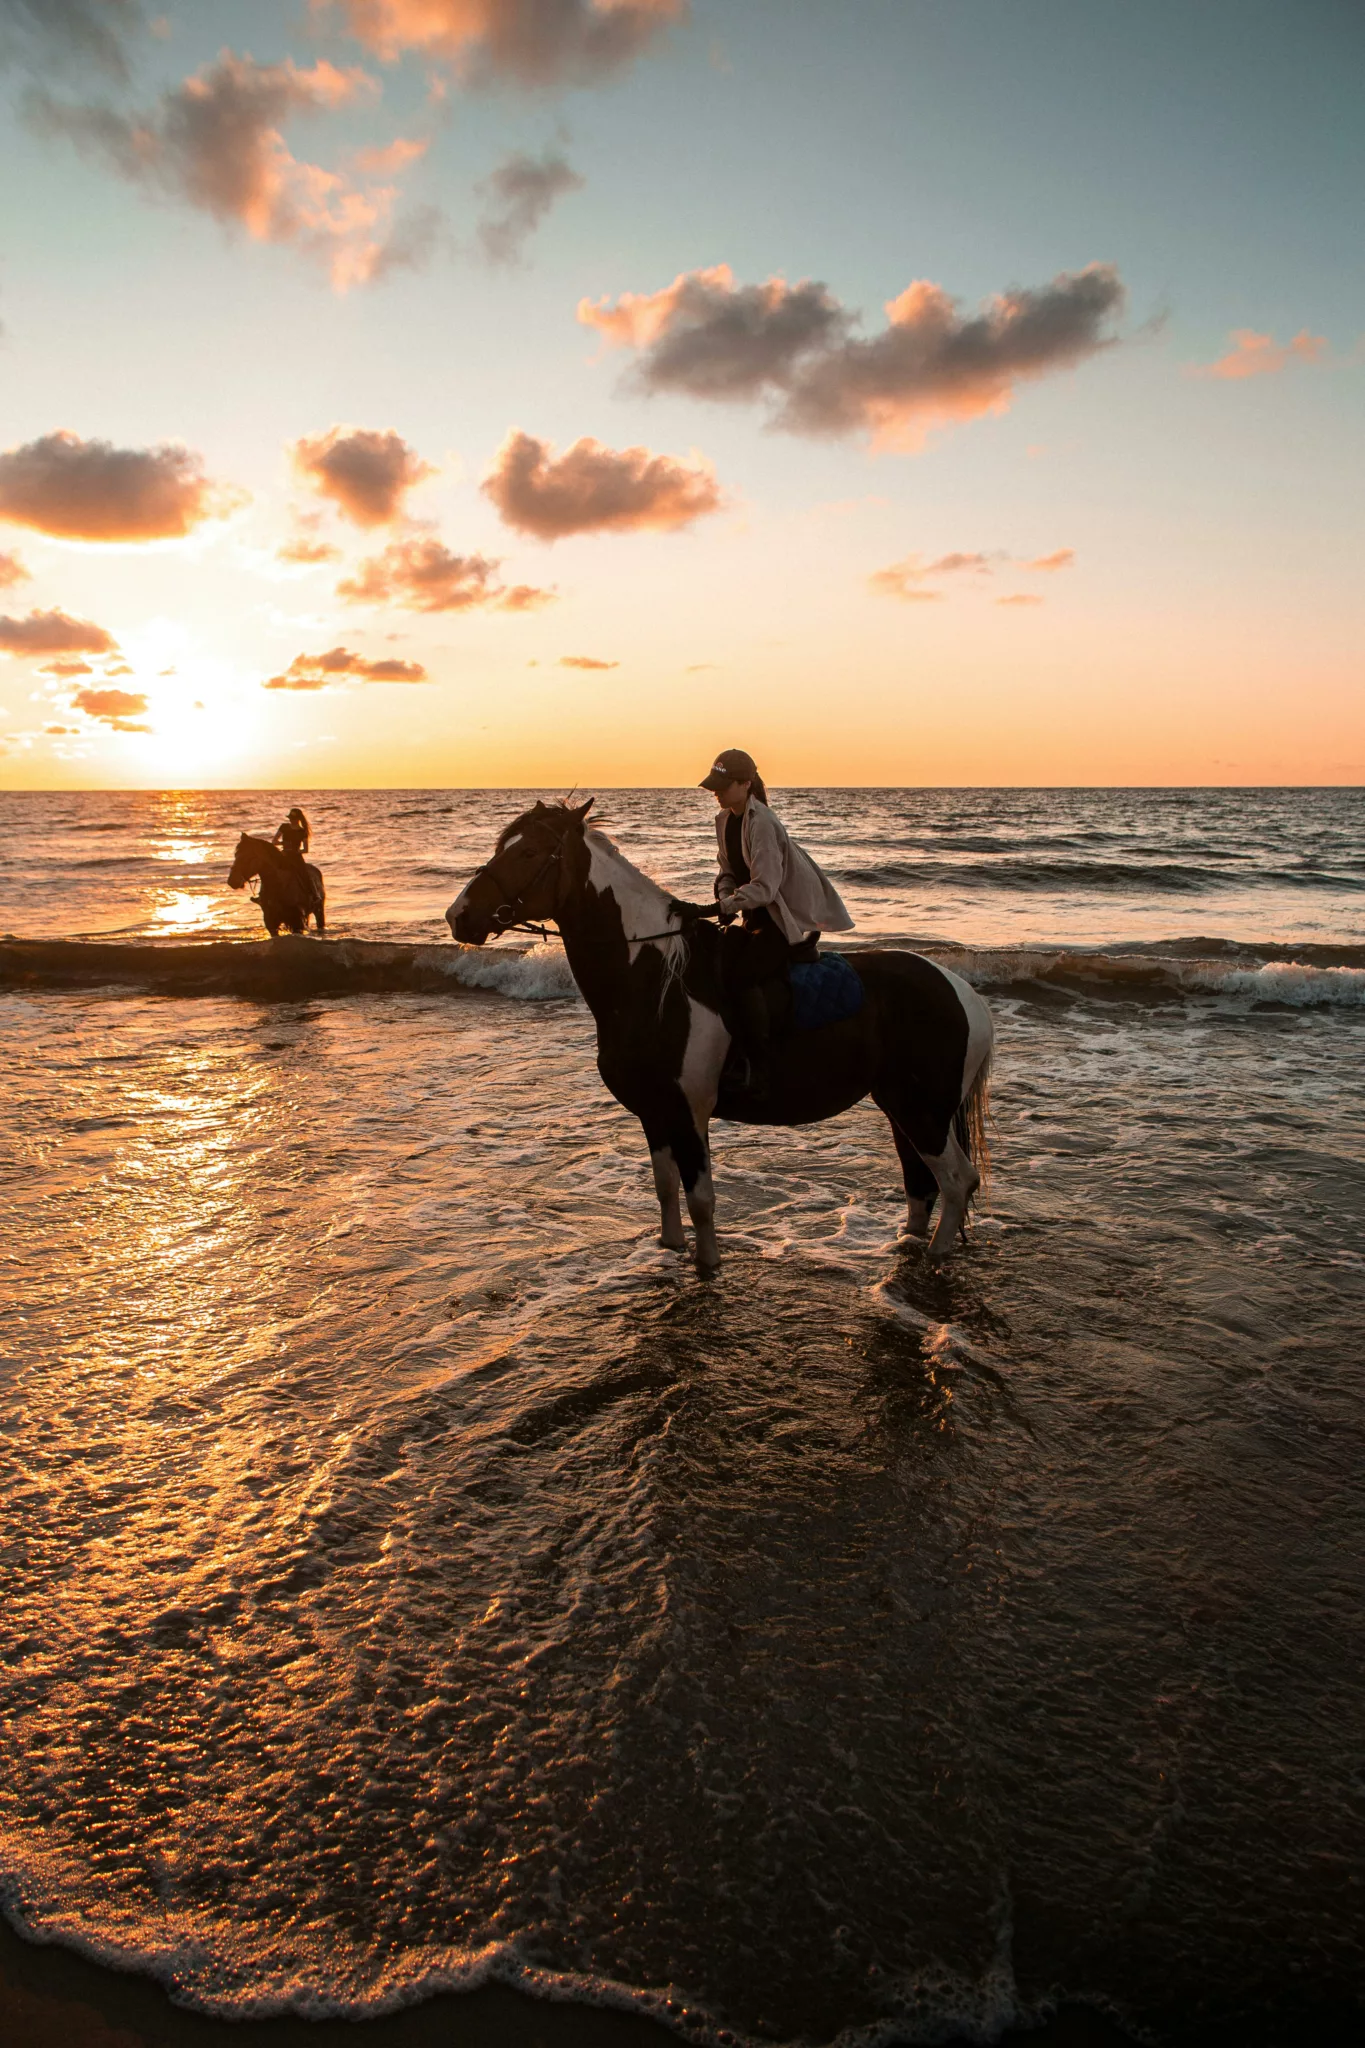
x=773, y=898
x=919, y=1044
x=291, y=888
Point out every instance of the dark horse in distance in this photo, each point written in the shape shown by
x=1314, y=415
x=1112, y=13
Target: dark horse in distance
x=920, y=1045
x=291, y=892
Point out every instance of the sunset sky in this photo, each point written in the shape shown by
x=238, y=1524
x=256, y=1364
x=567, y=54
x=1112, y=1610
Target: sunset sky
x=488, y=392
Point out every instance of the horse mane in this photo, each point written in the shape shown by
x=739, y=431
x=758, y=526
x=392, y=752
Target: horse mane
x=675, y=948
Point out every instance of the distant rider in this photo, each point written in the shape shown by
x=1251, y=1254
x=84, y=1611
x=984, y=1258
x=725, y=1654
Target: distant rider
x=772, y=896
x=292, y=839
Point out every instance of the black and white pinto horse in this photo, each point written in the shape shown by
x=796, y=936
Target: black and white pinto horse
x=920, y=1046
x=287, y=897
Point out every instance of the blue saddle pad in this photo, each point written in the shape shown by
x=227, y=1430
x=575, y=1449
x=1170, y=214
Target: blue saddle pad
x=824, y=991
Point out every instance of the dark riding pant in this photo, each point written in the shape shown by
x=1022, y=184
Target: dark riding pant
x=752, y=956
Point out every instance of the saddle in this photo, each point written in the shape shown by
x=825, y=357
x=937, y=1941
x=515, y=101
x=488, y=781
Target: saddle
x=824, y=990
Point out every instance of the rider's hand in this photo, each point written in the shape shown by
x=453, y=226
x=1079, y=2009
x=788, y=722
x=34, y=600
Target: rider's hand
x=690, y=912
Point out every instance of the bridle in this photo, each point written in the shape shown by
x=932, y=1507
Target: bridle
x=506, y=919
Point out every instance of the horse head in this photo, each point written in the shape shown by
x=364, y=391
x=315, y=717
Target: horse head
x=523, y=880
x=246, y=862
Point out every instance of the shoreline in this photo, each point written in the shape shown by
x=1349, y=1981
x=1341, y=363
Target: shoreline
x=51, y=1997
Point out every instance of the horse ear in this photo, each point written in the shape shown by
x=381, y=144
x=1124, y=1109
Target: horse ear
x=539, y=805
x=580, y=811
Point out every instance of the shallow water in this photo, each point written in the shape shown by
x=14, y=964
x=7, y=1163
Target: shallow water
x=413, y=1573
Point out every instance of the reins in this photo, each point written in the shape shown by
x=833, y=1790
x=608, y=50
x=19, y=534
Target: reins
x=513, y=923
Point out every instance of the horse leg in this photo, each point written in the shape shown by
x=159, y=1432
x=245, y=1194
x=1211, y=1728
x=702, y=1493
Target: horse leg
x=667, y=1184
x=934, y=1142
x=701, y=1207
x=958, y=1180
x=673, y=1136
x=921, y=1189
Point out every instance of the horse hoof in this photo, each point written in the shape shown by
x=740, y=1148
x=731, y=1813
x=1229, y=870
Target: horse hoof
x=671, y=1244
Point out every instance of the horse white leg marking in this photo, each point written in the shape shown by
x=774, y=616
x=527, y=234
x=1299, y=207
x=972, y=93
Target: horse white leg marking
x=666, y=1186
x=980, y=1030
x=917, y=1218
x=701, y=1207
x=703, y=1058
x=957, y=1181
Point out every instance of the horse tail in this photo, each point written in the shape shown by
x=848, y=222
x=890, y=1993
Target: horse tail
x=970, y=1122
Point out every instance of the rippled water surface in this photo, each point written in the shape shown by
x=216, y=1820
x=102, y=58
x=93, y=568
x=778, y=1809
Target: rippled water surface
x=979, y=866
x=411, y=1571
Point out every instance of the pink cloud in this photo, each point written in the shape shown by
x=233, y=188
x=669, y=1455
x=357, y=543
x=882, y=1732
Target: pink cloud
x=423, y=575
x=901, y=580
x=529, y=42
x=594, y=489
x=1259, y=355
x=306, y=549
x=365, y=473
x=215, y=143
x=931, y=366
x=90, y=490
x=1063, y=558
x=53, y=633
x=318, y=671
x=12, y=571
x=585, y=661
x=114, y=708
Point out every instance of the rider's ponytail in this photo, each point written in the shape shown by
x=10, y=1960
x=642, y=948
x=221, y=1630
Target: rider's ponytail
x=758, y=788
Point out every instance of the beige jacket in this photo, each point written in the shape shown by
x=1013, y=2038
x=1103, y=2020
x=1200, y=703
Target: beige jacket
x=783, y=878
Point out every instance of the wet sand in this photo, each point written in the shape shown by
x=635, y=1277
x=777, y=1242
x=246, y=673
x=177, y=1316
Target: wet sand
x=50, y=1998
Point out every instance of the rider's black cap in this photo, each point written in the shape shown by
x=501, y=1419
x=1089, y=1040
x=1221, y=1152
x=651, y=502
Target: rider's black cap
x=734, y=765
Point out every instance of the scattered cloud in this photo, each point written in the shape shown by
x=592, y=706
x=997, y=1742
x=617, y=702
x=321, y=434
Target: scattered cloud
x=65, y=670
x=318, y=671
x=1259, y=355
x=518, y=196
x=584, y=661
x=214, y=143
x=422, y=574
x=592, y=489
x=391, y=158
x=711, y=338
x=115, y=708
x=62, y=731
x=899, y=581
x=306, y=549
x=1063, y=558
x=948, y=565
x=41, y=34
x=525, y=42
x=1020, y=597
x=694, y=668
x=53, y=633
x=12, y=571
x=931, y=366
x=906, y=580
x=365, y=473
x=90, y=490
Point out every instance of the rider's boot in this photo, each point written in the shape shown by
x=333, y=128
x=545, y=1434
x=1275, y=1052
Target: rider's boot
x=757, y=1034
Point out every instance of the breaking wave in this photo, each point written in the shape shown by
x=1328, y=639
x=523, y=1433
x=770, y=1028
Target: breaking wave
x=293, y=969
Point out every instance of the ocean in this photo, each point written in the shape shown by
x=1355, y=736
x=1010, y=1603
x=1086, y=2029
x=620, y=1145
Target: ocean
x=416, y=1578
